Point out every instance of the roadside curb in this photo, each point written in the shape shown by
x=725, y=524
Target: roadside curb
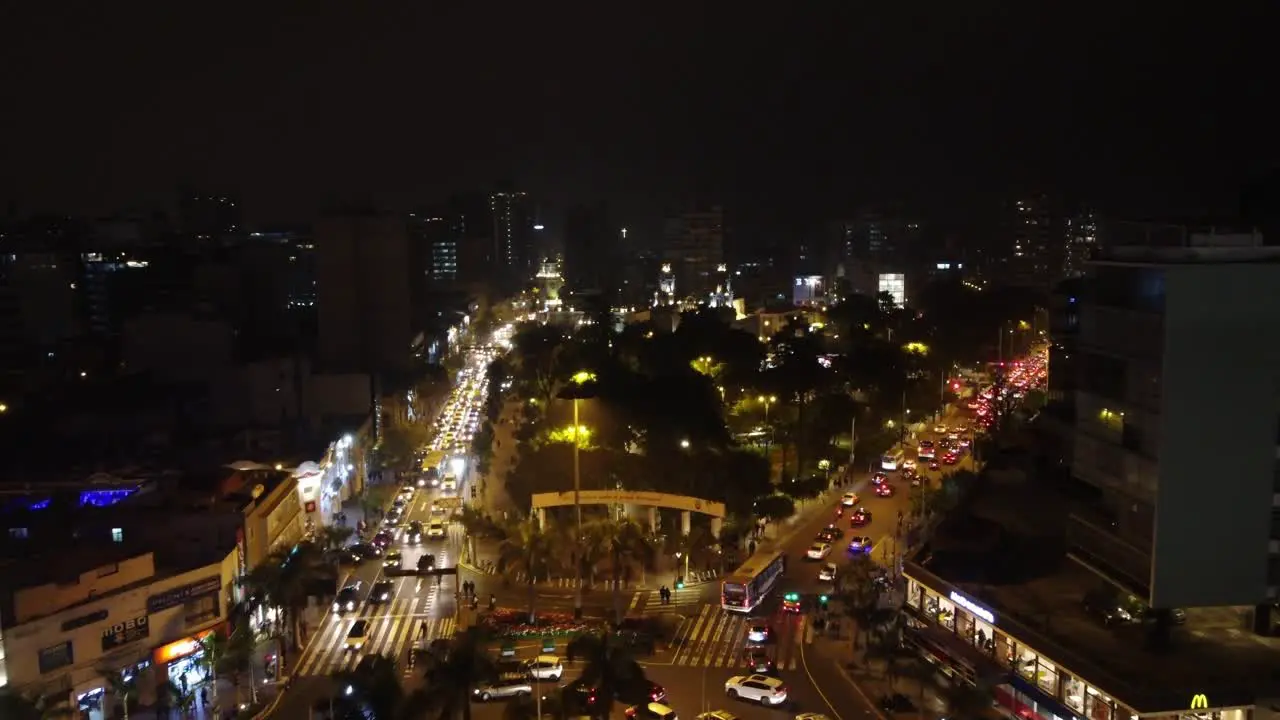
x=266, y=712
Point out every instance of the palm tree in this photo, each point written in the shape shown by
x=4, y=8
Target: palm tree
x=625, y=544
x=451, y=677
x=374, y=685
x=17, y=706
x=526, y=548
x=609, y=665
x=121, y=687
x=237, y=660
x=181, y=697
x=329, y=537
x=212, y=655
x=283, y=579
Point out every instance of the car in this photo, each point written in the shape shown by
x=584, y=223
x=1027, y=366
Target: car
x=860, y=518
x=716, y=715
x=830, y=533
x=758, y=660
x=827, y=573
x=380, y=592
x=545, y=667
x=413, y=533
x=640, y=691
x=435, y=530
x=908, y=464
x=651, y=711
x=342, y=556
x=860, y=545
x=392, y=561
x=426, y=562
x=394, y=515
x=940, y=429
x=356, y=636
x=932, y=466
x=759, y=631
x=407, y=490
x=878, y=478
x=756, y=688
x=399, y=503
x=885, y=490
x=849, y=500
x=504, y=686
x=348, y=598
x=366, y=551
x=382, y=539
x=950, y=459
x=818, y=551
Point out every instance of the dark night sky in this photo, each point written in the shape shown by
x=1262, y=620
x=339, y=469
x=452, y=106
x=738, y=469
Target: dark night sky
x=778, y=110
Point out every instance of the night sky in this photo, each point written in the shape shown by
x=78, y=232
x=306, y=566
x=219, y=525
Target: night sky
x=783, y=111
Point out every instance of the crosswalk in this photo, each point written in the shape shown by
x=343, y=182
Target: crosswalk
x=651, y=601
x=393, y=628
x=716, y=638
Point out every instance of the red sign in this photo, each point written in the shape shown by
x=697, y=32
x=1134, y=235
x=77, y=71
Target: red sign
x=310, y=506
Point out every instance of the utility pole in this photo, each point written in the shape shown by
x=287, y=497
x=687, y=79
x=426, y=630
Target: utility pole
x=577, y=509
x=853, y=437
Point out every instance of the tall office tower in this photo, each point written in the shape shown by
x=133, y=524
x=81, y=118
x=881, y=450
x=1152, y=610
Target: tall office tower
x=512, y=217
x=1177, y=400
x=1079, y=243
x=430, y=231
x=1034, y=255
x=695, y=250
x=589, y=244
x=364, y=296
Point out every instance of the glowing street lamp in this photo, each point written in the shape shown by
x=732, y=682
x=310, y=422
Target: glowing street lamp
x=578, y=390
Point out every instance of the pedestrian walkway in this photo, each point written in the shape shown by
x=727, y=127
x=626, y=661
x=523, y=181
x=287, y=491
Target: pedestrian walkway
x=392, y=633
x=650, y=601
x=715, y=638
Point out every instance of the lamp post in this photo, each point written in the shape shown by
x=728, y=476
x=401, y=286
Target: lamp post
x=576, y=391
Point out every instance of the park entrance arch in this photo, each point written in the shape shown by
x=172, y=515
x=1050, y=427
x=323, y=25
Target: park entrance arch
x=653, y=500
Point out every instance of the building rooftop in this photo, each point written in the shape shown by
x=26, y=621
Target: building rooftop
x=1037, y=595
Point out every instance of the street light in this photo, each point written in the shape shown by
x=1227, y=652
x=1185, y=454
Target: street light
x=579, y=389
x=684, y=443
x=767, y=400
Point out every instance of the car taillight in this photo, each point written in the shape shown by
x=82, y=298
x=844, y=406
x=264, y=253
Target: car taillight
x=780, y=690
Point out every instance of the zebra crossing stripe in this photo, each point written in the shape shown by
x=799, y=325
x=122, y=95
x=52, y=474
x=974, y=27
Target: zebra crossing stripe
x=389, y=634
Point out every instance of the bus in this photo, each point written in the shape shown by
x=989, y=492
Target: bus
x=748, y=585
x=892, y=460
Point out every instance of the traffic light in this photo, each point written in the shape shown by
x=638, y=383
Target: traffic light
x=822, y=599
x=679, y=583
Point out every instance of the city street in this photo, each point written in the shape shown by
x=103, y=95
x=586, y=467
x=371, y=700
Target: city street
x=417, y=608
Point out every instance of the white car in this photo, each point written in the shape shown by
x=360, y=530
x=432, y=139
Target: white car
x=940, y=429
x=435, y=530
x=849, y=499
x=827, y=573
x=510, y=685
x=756, y=688
x=546, y=667
x=818, y=551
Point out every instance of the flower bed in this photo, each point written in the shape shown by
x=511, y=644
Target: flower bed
x=512, y=623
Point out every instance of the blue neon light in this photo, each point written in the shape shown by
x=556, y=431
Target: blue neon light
x=40, y=504
x=104, y=498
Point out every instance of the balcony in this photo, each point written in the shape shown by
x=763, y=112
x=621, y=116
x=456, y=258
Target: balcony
x=1098, y=549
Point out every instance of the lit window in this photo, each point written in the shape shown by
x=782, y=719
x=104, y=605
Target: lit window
x=117, y=534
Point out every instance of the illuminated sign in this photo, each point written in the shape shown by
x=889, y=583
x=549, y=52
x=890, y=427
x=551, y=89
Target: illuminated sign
x=1199, y=702
x=179, y=648
x=184, y=593
x=125, y=632
x=973, y=607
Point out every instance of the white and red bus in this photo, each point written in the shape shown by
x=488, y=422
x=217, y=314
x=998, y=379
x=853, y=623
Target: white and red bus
x=750, y=584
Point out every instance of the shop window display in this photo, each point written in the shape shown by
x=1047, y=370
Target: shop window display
x=946, y=614
x=1005, y=652
x=1047, y=677
x=1097, y=706
x=1073, y=692
x=914, y=591
x=964, y=625
x=1026, y=664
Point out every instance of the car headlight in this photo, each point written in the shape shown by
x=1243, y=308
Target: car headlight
x=351, y=606
x=385, y=595
x=336, y=607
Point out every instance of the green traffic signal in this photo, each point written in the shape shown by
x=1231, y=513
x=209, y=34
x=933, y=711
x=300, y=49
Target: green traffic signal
x=680, y=585
x=822, y=599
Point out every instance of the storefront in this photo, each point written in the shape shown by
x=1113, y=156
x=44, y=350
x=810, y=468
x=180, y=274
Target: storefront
x=180, y=661
x=324, y=486
x=1033, y=687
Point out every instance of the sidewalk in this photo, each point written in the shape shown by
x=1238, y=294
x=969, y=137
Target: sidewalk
x=226, y=703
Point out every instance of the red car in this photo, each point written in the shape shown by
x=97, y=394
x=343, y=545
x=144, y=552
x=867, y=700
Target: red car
x=884, y=490
x=950, y=459
x=859, y=518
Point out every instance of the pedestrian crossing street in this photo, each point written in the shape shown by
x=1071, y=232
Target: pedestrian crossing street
x=651, y=601
x=393, y=628
x=716, y=638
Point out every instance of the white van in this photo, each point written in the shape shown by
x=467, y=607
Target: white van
x=892, y=460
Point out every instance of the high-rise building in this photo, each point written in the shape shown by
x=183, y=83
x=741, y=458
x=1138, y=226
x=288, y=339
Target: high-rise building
x=1176, y=425
x=1034, y=255
x=364, y=295
x=695, y=250
x=512, y=217
x=589, y=243
x=1080, y=242
x=432, y=231
x=207, y=216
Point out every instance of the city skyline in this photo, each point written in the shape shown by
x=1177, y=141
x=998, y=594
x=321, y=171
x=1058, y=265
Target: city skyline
x=802, y=113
